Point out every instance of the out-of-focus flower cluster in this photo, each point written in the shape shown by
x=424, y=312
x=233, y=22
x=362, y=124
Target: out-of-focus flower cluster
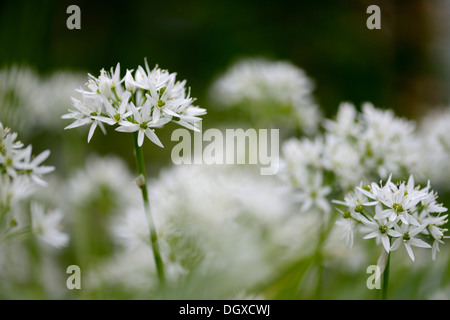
x=273, y=93
x=149, y=99
x=224, y=231
x=30, y=103
x=395, y=215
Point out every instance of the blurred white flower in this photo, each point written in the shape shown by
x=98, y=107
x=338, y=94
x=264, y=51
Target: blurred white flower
x=435, y=147
x=406, y=235
x=47, y=226
x=27, y=98
x=271, y=91
x=369, y=144
x=131, y=230
x=398, y=216
x=102, y=177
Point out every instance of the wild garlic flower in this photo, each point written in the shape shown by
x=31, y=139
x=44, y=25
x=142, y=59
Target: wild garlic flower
x=270, y=91
x=140, y=103
x=27, y=98
x=369, y=144
x=395, y=215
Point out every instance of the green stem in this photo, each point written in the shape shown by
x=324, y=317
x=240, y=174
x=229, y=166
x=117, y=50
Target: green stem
x=384, y=292
x=151, y=224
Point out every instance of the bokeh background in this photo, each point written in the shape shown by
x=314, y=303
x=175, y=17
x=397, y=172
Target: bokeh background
x=405, y=67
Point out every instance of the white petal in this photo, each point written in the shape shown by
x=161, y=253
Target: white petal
x=419, y=243
x=153, y=137
x=140, y=138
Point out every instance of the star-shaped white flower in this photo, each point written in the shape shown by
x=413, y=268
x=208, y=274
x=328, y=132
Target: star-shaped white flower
x=406, y=236
x=142, y=123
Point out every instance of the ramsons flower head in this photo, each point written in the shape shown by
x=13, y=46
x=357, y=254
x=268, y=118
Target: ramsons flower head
x=142, y=102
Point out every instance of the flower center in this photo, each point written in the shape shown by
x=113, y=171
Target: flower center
x=346, y=214
x=406, y=236
x=359, y=208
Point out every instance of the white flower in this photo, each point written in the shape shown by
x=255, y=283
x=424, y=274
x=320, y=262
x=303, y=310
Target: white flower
x=270, y=92
x=132, y=229
x=143, y=123
x=114, y=115
x=402, y=212
x=435, y=146
x=27, y=99
x=406, y=235
x=87, y=111
x=17, y=161
x=375, y=141
x=380, y=229
x=47, y=226
x=348, y=225
x=32, y=166
x=313, y=194
x=106, y=84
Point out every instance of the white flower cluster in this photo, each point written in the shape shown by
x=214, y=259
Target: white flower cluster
x=149, y=99
x=271, y=91
x=395, y=214
x=435, y=164
x=27, y=98
x=20, y=173
x=370, y=144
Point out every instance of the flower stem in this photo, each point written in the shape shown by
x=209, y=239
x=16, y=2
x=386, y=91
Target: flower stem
x=384, y=292
x=151, y=224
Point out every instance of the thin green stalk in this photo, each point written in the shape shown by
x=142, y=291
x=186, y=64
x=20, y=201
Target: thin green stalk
x=384, y=289
x=151, y=224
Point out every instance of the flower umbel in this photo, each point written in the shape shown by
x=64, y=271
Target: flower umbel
x=149, y=100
